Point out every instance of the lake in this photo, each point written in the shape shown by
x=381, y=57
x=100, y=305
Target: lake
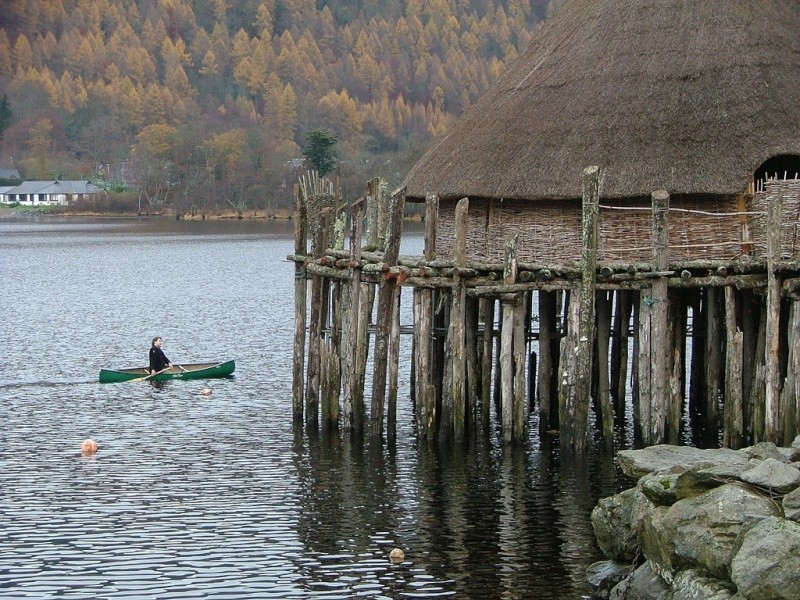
x=218, y=496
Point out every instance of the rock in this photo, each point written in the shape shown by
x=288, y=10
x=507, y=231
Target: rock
x=791, y=505
x=693, y=584
x=604, y=575
x=637, y=463
x=773, y=476
x=701, y=531
x=643, y=584
x=767, y=562
x=660, y=487
x=611, y=521
x=763, y=451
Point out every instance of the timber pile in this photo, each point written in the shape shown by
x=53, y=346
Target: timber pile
x=669, y=329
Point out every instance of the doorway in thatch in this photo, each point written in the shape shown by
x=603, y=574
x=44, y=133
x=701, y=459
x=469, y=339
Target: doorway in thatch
x=782, y=166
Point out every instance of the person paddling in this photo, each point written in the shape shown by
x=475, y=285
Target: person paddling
x=158, y=360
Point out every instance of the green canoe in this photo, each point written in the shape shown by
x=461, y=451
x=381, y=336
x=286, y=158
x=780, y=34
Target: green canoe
x=194, y=371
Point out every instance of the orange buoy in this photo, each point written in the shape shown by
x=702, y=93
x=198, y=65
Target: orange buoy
x=397, y=555
x=88, y=447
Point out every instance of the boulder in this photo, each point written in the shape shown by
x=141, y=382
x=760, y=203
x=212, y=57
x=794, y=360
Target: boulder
x=602, y=576
x=772, y=475
x=643, y=584
x=763, y=451
x=637, y=463
x=693, y=584
x=611, y=521
x=767, y=562
x=660, y=487
x=791, y=505
x=701, y=531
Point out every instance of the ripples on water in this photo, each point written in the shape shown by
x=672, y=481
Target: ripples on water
x=217, y=497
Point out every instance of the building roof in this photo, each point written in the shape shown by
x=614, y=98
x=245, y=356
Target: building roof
x=55, y=187
x=9, y=174
x=690, y=96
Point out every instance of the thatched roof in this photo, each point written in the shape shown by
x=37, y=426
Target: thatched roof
x=690, y=96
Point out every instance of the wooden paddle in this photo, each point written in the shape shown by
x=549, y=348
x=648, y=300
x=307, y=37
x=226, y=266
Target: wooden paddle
x=146, y=377
x=182, y=369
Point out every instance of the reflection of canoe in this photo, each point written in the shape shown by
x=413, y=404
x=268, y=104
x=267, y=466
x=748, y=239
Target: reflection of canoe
x=195, y=371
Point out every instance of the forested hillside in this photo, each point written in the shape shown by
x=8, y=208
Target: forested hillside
x=207, y=101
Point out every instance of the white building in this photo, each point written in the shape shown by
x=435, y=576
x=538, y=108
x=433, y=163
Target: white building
x=49, y=193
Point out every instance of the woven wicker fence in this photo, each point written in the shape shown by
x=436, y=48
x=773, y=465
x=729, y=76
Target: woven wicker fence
x=700, y=228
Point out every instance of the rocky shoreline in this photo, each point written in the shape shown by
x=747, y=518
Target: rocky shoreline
x=701, y=525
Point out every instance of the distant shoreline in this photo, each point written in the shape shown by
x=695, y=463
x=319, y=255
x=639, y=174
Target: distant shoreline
x=278, y=214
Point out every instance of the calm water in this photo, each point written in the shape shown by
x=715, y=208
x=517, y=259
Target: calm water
x=217, y=497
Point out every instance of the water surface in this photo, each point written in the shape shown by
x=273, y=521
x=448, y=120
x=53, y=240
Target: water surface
x=218, y=497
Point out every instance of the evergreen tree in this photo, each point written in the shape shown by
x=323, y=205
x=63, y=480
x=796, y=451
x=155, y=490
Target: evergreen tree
x=320, y=151
x=5, y=115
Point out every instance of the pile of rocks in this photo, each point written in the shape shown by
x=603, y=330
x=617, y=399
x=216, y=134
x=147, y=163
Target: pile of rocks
x=702, y=524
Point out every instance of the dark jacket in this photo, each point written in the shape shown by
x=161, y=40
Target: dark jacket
x=158, y=360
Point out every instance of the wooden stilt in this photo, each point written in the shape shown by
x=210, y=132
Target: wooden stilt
x=697, y=382
x=457, y=320
x=487, y=317
x=384, y=317
x=653, y=337
x=393, y=359
x=300, y=292
x=507, y=343
x=423, y=328
x=772, y=358
x=473, y=360
x=751, y=317
x=603, y=303
x=733, y=426
x=677, y=335
x=759, y=389
x=713, y=361
x=578, y=400
x=547, y=335
x=520, y=405
x=620, y=352
x=350, y=316
x=788, y=391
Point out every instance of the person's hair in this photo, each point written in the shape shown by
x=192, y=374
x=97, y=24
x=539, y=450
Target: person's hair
x=155, y=339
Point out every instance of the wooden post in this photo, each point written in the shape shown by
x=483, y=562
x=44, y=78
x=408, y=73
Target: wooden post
x=457, y=316
x=567, y=368
x=487, y=316
x=473, y=372
x=713, y=361
x=384, y=316
x=423, y=330
x=794, y=340
x=507, y=343
x=677, y=335
x=547, y=335
x=788, y=403
x=773, y=389
x=578, y=401
x=619, y=352
x=655, y=312
x=315, y=326
x=300, y=292
x=733, y=430
x=350, y=312
x=333, y=369
x=394, y=358
x=603, y=385
x=758, y=389
x=520, y=405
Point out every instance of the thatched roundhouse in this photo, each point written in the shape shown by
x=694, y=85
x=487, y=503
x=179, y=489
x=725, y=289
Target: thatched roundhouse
x=701, y=99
